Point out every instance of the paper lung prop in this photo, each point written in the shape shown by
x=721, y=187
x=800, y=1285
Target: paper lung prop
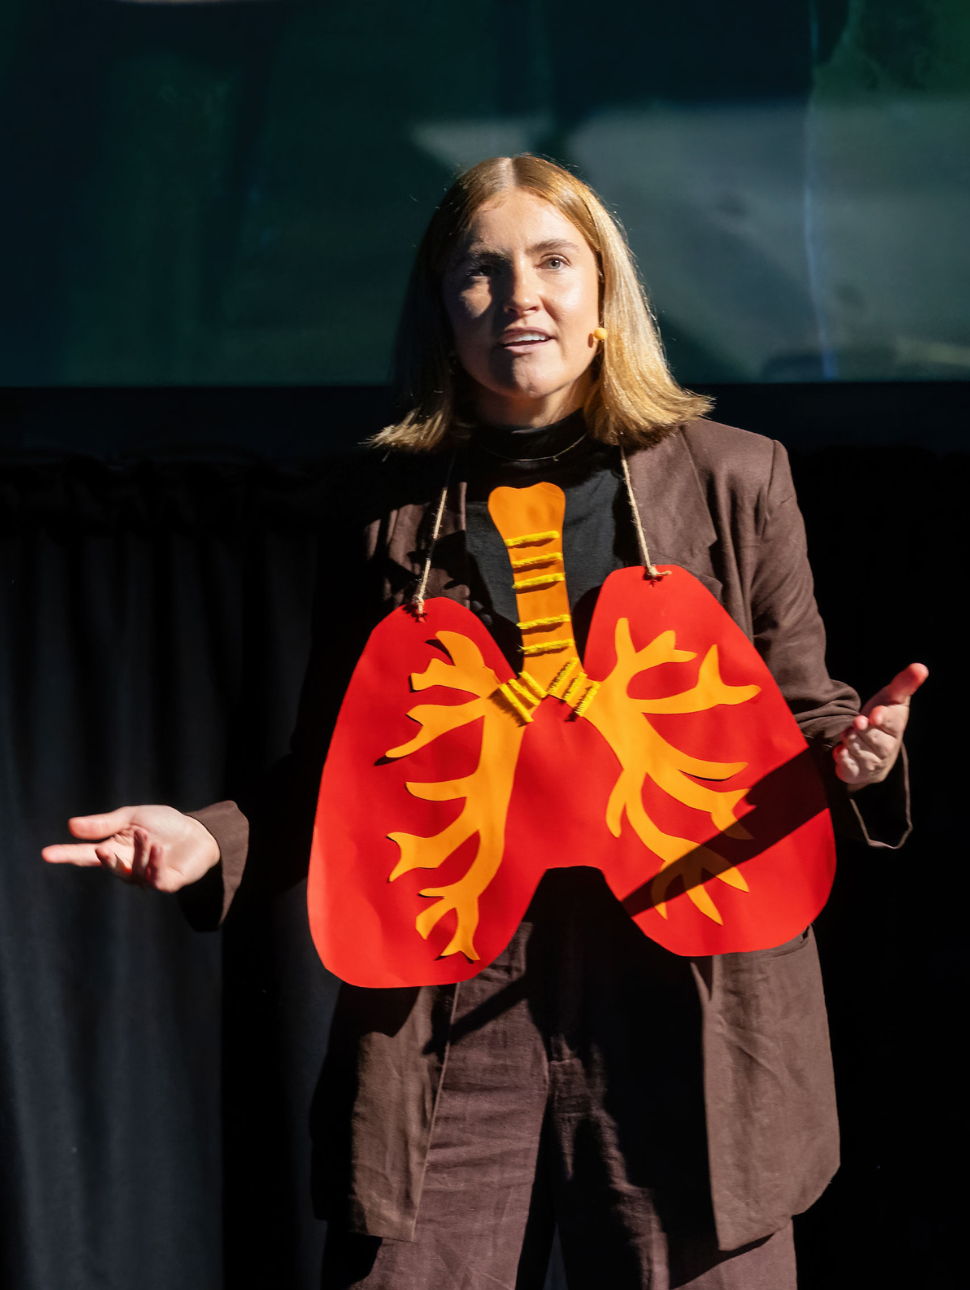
x=667, y=758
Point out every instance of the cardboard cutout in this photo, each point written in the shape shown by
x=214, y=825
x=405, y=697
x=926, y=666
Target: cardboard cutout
x=667, y=758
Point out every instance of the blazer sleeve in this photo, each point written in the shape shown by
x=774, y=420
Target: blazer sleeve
x=790, y=636
x=206, y=903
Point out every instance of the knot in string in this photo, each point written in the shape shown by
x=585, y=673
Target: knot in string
x=651, y=569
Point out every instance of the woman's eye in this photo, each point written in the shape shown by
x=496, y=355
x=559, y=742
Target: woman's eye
x=555, y=262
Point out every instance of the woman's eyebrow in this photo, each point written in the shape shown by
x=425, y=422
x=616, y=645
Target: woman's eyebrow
x=479, y=248
x=552, y=244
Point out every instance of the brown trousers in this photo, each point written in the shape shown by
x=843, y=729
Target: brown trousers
x=571, y=1097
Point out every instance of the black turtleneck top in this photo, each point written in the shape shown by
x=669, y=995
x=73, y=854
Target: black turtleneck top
x=598, y=533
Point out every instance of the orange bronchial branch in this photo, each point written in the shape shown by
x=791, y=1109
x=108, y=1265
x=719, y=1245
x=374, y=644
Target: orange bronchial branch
x=487, y=790
x=643, y=752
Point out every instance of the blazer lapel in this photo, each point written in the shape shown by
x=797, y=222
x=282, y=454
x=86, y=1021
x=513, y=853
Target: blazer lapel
x=674, y=511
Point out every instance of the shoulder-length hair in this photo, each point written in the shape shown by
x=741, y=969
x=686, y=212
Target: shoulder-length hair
x=633, y=399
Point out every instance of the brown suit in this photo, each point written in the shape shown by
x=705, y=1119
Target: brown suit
x=719, y=502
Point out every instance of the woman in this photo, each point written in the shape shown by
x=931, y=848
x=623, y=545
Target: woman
x=671, y=1115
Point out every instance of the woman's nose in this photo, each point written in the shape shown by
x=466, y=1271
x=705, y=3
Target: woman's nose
x=522, y=296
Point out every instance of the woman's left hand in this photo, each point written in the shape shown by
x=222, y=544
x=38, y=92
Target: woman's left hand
x=871, y=744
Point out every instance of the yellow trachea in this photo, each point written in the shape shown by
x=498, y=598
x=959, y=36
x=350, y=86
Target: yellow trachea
x=530, y=521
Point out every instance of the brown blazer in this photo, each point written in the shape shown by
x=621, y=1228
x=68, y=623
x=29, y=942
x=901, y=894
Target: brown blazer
x=719, y=502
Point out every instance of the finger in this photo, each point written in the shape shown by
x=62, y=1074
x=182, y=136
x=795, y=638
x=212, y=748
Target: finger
x=846, y=767
x=70, y=853
x=905, y=683
x=140, y=854
x=873, y=740
x=858, y=728
x=102, y=826
x=152, y=867
x=891, y=719
x=886, y=714
x=113, y=862
x=868, y=762
x=900, y=689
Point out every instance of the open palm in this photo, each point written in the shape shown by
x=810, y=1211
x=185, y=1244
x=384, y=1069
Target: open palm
x=870, y=746
x=153, y=846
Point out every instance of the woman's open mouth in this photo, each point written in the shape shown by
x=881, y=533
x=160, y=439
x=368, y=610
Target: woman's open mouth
x=523, y=342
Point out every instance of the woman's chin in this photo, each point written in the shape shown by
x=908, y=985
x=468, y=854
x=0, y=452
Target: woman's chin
x=520, y=394
x=529, y=386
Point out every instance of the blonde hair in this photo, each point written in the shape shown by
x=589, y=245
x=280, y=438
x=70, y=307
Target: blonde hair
x=633, y=399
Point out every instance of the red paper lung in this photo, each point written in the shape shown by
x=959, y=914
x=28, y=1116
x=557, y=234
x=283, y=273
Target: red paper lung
x=673, y=765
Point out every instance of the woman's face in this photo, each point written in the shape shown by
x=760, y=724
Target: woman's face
x=522, y=296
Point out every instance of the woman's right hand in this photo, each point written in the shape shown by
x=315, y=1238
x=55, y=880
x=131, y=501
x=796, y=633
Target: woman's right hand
x=153, y=846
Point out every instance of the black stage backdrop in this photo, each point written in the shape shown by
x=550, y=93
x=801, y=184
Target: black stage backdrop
x=155, y=1083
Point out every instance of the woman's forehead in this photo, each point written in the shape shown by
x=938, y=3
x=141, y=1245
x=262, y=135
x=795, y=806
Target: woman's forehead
x=520, y=220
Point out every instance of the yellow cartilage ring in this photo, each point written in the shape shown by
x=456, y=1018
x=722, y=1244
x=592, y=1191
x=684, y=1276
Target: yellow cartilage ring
x=531, y=539
x=548, y=647
x=574, y=687
x=533, y=561
x=561, y=678
x=534, y=623
x=515, y=702
x=534, y=584
x=532, y=684
x=587, y=699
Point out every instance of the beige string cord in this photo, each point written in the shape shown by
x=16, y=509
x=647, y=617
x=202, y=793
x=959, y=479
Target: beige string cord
x=417, y=600
x=651, y=569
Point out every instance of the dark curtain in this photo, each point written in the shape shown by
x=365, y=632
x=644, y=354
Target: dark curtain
x=157, y=627
x=156, y=630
